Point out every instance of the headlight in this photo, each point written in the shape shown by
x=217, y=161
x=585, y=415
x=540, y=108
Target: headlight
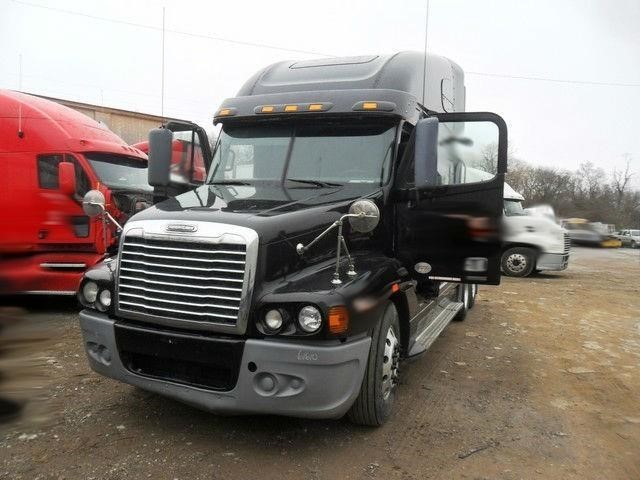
x=273, y=320
x=309, y=319
x=90, y=292
x=104, y=300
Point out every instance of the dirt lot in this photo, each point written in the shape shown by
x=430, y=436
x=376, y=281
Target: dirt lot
x=541, y=381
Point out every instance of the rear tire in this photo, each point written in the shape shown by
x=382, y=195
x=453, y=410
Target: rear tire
x=464, y=295
x=518, y=261
x=472, y=298
x=375, y=401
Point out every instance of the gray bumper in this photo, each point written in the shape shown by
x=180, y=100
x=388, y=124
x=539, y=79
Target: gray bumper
x=552, y=261
x=294, y=379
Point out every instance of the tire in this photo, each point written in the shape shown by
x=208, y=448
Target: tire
x=464, y=295
x=375, y=402
x=518, y=261
x=472, y=297
x=634, y=244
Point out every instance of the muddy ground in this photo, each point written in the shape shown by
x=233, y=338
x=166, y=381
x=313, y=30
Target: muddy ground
x=541, y=381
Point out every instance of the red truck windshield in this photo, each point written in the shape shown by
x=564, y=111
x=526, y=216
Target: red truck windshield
x=119, y=172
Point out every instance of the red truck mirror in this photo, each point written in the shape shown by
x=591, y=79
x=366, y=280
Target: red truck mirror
x=67, y=178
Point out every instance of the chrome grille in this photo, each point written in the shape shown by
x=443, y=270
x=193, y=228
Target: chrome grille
x=567, y=243
x=181, y=280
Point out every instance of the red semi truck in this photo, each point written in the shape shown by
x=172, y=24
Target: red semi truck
x=50, y=156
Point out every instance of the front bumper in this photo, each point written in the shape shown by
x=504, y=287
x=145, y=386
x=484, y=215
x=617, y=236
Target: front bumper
x=320, y=380
x=553, y=261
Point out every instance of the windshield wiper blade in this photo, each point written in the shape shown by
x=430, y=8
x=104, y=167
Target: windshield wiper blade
x=229, y=182
x=317, y=183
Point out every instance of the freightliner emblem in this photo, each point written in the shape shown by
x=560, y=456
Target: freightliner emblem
x=181, y=228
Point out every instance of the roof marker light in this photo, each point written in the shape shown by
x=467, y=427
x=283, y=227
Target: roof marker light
x=291, y=108
x=267, y=109
x=370, y=105
x=315, y=107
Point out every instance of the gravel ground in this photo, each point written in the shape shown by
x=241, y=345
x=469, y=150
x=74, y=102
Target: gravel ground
x=541, y=381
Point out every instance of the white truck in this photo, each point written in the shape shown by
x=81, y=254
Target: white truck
x=531, y=242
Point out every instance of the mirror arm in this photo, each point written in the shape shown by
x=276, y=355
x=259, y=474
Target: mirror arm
x=106, y=214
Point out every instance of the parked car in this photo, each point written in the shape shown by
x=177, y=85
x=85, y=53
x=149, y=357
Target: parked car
x=629, y=238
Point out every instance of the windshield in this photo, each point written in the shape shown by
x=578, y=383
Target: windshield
x=322, y=154
x=634, y=233
x=117, y=171
x=513, y=208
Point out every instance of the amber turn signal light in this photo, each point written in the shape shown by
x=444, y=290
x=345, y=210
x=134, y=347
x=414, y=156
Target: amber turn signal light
x=338, y=319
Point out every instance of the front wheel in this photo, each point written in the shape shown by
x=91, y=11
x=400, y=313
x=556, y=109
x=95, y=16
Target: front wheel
x=375, y=401
x=634, y=244
x=518, y=261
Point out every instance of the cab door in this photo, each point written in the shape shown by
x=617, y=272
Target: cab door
x=448, y=217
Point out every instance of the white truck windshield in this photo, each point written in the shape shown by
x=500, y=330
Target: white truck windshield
x=513, y=208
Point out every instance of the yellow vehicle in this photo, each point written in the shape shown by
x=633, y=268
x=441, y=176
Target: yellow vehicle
x=583, y=232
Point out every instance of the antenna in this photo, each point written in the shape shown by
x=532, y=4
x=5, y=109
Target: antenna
x=162, y=81
x=424, y=70
x=20, y=132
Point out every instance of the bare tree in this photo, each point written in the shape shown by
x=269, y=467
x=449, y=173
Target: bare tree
x=621, y=180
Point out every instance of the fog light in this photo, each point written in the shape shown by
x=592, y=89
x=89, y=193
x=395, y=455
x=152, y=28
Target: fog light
x=90, y=292
x=104, y=300
x=310, y=319
x=273, y=320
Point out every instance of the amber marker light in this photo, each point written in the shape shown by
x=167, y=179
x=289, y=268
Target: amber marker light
x=267, y=109
x=315, y=107
x=370, y=106
x=224, y=111
x=338, y=319
x=291, y=108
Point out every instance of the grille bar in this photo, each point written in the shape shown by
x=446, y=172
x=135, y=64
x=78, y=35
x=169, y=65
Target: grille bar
x=177, y=249
x=181, y=279
x=197, y=295
x=122, y=302
x=155, y=282
x=190, y=259
x=181, y=276
x=164, y=265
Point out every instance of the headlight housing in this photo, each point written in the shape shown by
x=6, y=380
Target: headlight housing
x=273, y=320
x=103, y=302
x=309, y=319
x=89, y=292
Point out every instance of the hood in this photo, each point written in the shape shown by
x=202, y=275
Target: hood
x=276, y=213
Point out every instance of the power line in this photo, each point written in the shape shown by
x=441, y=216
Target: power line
x=311, y=52
x=555, y=80
x=177, y=32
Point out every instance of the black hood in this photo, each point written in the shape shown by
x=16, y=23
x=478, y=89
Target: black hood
x=276, y=213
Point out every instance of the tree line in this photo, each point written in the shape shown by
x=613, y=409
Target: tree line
x=589, y=192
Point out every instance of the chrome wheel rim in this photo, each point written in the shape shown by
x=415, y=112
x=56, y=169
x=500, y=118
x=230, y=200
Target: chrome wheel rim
x=390, y=363
x=516, y=262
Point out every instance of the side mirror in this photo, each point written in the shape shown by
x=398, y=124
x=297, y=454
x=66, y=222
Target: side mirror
x=425, y=157
x=364, y=216
x=67, y=178
x=160, y=146
x=93, y=203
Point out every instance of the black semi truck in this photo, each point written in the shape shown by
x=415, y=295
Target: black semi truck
x=336, y=235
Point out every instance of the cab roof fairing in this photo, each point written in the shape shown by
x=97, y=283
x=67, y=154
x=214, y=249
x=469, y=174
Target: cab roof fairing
x=441, y=89
x=50, y=126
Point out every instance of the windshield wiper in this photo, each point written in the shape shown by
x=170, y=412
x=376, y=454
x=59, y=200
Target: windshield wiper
x=229, y=182
x=317, y=183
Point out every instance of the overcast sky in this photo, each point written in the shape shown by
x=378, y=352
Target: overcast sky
x=109, y=53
